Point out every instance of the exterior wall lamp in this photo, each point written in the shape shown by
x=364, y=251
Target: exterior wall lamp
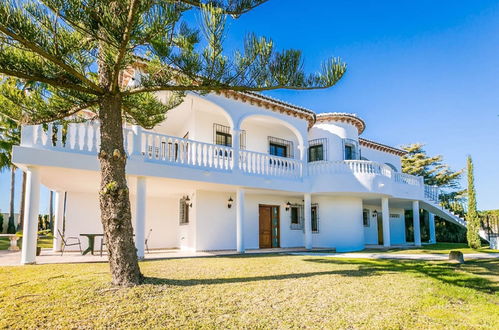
x=288, y=206
x=375, y=214
x=229, y=202
x=188, y=201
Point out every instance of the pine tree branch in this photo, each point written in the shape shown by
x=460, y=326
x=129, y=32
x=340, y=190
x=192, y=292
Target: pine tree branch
x=219, y=88
x=50, y=81
x=38, y=50
x=61, y=115
x=75, y=25
x=124, y=44
x=232, y=12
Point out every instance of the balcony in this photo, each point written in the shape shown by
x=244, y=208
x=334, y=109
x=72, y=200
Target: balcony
x=146, y=147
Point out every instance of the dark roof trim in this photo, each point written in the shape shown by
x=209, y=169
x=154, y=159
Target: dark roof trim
x=381, y=147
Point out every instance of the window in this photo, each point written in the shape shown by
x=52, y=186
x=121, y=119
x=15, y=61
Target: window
x=184, y=211
x=278, y=150
x=315, y=153
x=296, y=217
x=315, y=218
x=280, y=147
x=350, y=149
x=365, y=217
x=317, y=150
x=223, y=139
x=349, y=152
x=222, y=135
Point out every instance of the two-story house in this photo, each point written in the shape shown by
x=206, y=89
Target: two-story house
x=235, y=171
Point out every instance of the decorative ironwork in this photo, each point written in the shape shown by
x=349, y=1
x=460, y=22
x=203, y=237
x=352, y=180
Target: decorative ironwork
x=297, y=216
x=314, y=217
x=365, y=218
x=317, y=150
x=280, y=147
x=184, y=210
x=222, y=135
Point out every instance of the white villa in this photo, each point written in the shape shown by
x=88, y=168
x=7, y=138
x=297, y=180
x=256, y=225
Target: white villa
x=234, y=171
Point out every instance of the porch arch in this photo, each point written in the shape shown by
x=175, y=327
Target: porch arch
x=270, y=126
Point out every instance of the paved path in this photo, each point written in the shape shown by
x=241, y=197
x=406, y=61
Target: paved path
x=9, y=258
x=408, y=256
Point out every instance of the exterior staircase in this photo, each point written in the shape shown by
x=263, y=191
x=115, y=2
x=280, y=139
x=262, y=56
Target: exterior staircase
x=432, y=204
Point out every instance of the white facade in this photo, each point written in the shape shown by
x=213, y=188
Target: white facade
x=265, y=158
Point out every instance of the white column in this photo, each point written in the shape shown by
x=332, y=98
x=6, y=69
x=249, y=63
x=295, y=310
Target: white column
x=31, y=208
x=308, y=220
x=304, y=158
x=140, y=216
x=385, y=215
x=236, y=146
x=58, y=219
x=415, y=217
x=137, y=141
x=240, y=220
x=433, y=237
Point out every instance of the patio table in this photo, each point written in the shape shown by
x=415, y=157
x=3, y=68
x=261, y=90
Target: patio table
x=13, y=241
x=91, y=241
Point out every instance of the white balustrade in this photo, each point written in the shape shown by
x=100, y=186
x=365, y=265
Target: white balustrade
x=408, y=179
x=174, y=150
x=160, y=148
x=348, y=166
x=75, y=137
x=258, y=163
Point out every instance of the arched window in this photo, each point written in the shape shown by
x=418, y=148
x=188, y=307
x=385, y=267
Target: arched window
x=392, y=167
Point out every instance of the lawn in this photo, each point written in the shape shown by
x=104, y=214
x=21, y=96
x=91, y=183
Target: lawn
x=43, y=241
x=440, y=248
x=272, y=291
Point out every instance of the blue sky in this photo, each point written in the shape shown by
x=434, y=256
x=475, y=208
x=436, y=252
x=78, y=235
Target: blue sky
x=418, y=71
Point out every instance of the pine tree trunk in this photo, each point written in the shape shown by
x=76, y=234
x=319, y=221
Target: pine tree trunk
x=114, y=196
x=23, y=199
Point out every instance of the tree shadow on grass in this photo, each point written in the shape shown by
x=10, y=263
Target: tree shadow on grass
x=465, y=276
x=443, y=272
x=223, y=280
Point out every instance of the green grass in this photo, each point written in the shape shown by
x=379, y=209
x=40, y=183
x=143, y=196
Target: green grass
x=272, y=291
x=443, y=248
x=44, y=242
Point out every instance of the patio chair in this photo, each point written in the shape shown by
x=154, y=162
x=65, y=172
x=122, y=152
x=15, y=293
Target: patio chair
x=147, y=240
x=69, y=241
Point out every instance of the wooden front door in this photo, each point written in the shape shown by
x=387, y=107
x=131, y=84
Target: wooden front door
x=269, y=226
x=380, y=229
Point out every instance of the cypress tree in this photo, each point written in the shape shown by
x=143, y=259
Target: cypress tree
x=472, y=218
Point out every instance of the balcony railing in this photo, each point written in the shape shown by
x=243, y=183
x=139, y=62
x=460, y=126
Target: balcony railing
x=79, y=138
x=176, y=151
x=348, y=166
x=163, y=149
x=258, y=163
x=408, y=179
x=432, y=193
